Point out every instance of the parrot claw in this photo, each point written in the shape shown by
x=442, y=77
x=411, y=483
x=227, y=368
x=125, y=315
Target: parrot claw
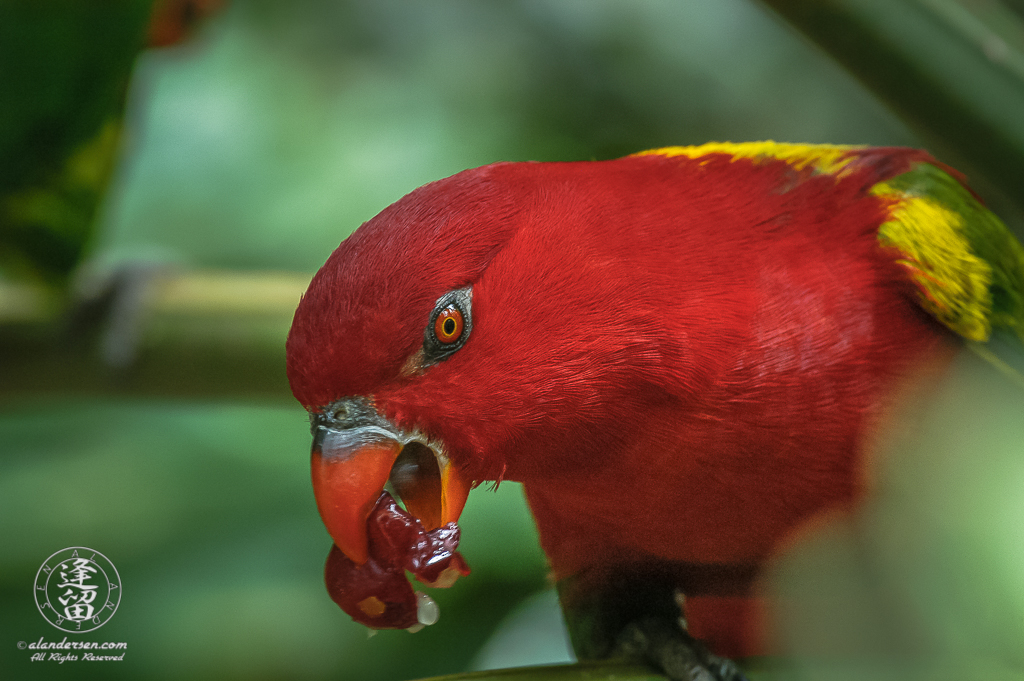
x=674, y=652
x=636, y=613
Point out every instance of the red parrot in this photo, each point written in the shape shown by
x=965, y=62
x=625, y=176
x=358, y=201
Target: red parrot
x=683, y=355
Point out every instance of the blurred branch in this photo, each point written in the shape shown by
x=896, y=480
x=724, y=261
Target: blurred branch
x=193, y=334
x=582, y=671
x=953, y=70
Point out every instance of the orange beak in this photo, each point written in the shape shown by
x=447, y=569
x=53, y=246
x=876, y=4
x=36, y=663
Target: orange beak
x=351, y=462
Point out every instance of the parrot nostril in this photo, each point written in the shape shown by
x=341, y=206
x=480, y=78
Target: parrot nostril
x=416, y=479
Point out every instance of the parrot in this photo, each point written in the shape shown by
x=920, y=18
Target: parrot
x=684, y=356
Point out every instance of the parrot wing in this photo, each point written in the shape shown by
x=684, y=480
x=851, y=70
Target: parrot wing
x=967, y=267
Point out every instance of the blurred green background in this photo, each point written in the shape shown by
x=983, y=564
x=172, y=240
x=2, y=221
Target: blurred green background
x=162, y=213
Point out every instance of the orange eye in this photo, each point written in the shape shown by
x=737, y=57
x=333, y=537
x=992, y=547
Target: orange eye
x=448, y=325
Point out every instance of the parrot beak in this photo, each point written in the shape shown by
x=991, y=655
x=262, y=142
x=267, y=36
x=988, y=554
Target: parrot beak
x=356, y=453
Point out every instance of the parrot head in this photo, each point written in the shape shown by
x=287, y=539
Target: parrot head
x=373, y=354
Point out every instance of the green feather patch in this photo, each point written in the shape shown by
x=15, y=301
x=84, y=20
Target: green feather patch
x=968, y=267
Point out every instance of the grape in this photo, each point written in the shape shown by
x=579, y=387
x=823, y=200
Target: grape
x=377, y=593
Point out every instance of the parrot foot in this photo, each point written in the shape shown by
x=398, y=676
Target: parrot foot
x=673, y=651
x=637, y=612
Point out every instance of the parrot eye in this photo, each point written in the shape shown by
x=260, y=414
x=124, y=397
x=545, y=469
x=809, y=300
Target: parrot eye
x=449, y=327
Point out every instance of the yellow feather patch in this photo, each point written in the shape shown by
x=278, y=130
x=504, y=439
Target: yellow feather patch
x=824, y=158
x=954, y=282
